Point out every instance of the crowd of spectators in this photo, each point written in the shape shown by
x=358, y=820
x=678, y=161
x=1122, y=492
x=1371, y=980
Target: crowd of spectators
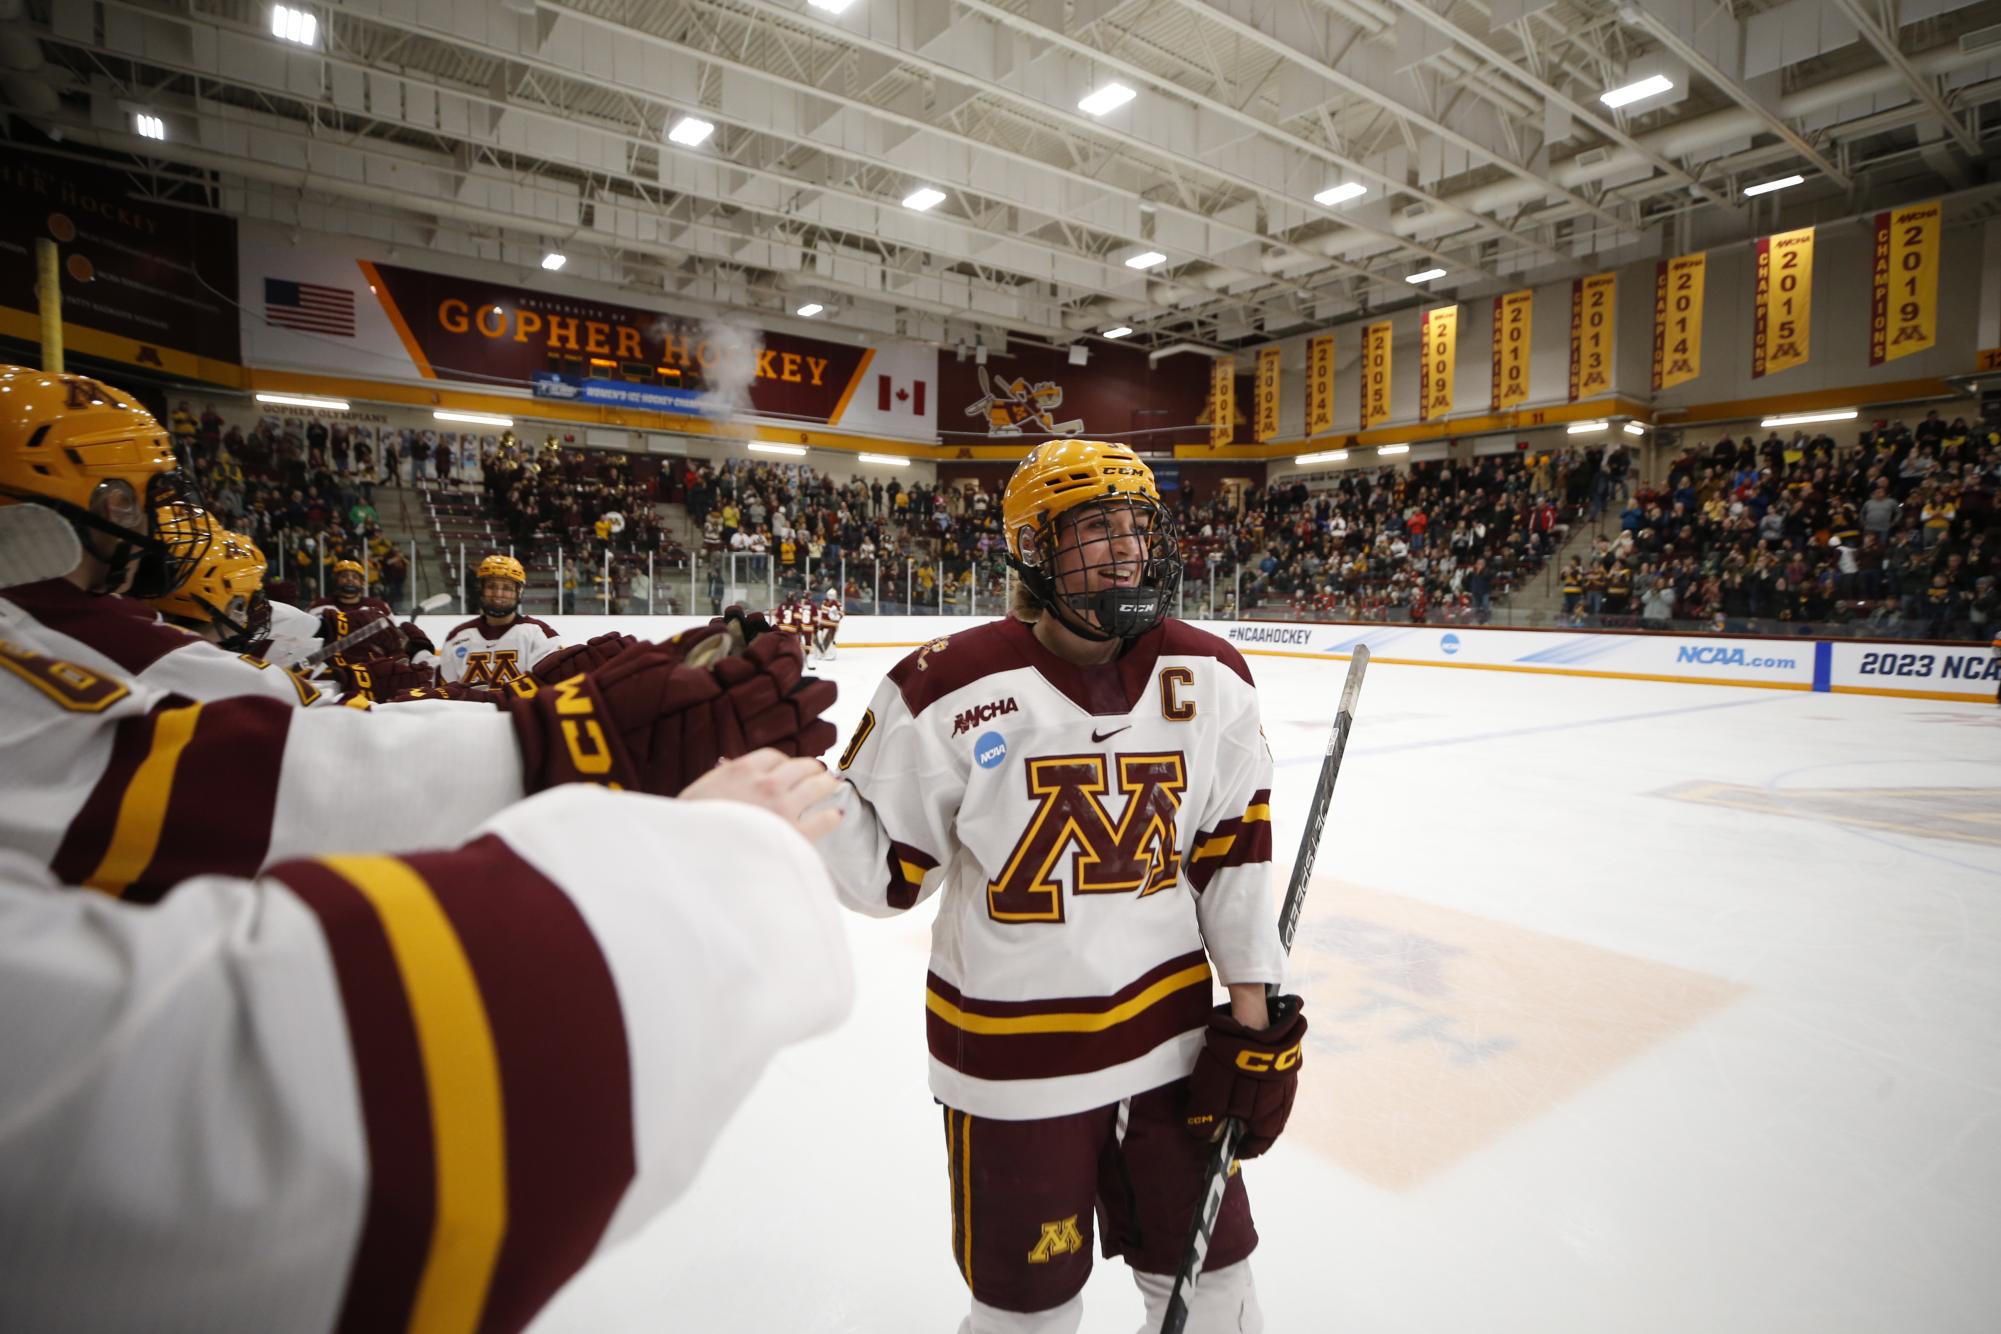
x=1895, y=534
x=589, y=501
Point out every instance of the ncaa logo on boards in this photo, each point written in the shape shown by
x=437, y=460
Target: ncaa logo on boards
x=1449, y=643
x=990, y=751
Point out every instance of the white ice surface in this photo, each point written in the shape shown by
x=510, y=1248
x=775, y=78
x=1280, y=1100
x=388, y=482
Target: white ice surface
x=1584, y=1056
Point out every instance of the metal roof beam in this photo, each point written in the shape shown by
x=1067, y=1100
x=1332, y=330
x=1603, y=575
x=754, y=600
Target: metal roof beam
x=1893, y=55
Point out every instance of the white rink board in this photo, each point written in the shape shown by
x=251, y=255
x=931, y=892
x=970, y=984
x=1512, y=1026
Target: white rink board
x=1966, y=672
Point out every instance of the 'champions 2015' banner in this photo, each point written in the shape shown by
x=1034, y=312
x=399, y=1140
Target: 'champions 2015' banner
x=1438, y=339
x=1267, y=394
x=1783, y=302
x=1375, y=374
x=1513, y=315
x=1903, y=316
x=1678, y=319
x=1222, y=401
x=1591, y=311
x=1319, y=384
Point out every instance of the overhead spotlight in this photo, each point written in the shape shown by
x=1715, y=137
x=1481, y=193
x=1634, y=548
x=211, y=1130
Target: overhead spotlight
x=831, y=6
x=1634, y=428
x=809, y=310
x=148, y=126
x=1585, y=428
x=766, y=447
x=1146, y=259
x=1426, y=276
x=1340, y=194
x=474, y=418
x=553, y=261
x=1324, y=456
x=691, y=131
x=1633, y=92
x=294, y=25
x=980, y=355
x=304, y=401
x=1079, y=354
x=1392, y=449
x=1117, y=331
x=963, y=351
x=1803, y=418
x=923, y=197
x=1108, y=98
x=886, y=460
x=1766, y=187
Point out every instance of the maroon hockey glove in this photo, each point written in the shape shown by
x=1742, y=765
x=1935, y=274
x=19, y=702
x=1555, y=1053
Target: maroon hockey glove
x=588, y=656
x=415, y=641
x=652, y=722
x=379, y=678
x=1249, y=1075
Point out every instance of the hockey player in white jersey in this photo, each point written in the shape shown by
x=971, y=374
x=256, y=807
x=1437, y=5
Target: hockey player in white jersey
x=827, y=625
x=1088, y=785
x=500, y=644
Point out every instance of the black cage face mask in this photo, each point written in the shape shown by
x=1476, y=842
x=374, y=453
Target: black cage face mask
x=1118, y=558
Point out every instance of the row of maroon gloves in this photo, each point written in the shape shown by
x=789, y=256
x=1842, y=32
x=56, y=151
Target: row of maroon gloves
x=1248, y=1073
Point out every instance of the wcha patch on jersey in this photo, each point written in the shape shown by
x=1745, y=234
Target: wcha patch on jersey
x=990, y=751
x=983, y=713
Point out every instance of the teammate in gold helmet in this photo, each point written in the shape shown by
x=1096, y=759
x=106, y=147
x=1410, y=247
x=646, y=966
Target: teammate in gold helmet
x=222, y=599
x=1092, y=543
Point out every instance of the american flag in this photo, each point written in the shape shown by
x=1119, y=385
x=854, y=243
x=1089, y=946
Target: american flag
x=308, y=307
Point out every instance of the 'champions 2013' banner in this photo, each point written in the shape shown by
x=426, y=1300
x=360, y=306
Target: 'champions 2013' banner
x=1591, y=312
x=1678, y=319
x=1375, y=374
x=1783, y=302
x=1438, y=339
x=1222, y=401
x=1319, y=384
x=1513, y=316
x=1267, y=394
x=1903, y=316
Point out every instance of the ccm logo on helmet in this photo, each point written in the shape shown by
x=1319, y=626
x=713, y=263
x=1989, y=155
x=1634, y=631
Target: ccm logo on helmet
x=1258, y=1062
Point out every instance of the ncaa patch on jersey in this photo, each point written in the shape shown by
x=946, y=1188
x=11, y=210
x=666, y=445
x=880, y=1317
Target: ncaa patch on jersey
x=990, y=751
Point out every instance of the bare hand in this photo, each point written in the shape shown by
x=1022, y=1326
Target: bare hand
x=788, y=788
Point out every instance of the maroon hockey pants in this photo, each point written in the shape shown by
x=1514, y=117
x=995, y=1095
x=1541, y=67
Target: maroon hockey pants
x=1024, y=1194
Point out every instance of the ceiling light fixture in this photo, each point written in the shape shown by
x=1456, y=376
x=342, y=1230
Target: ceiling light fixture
x=305, y=401
x=1392, y=449
x=149, y=126
x=1633, y=92
x=1634, y=428
x=1426, y=276
x=1585, y=428
x=1766, y=187
x=809, y=310
x=1802, y=418
x=1146, y=259
x=763, y=447
x=474, y=418
x=691, y=131
x=294, y=25
x=1120, y=332
x=923, y=197
x=831, y=6
x=1339, y=194
x=886, y=460
x=553, y=261
x=1324, y=456
x=1108, y=98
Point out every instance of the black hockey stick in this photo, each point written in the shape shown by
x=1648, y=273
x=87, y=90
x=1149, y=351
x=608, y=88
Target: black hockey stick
x=373, y=628
x=1223, y=1156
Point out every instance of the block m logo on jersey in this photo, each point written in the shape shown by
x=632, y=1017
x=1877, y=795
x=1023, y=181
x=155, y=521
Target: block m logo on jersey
x=1138, y=850
x=491, y=669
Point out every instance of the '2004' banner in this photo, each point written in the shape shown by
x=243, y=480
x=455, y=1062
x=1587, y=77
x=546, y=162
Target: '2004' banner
x=1438, y=340
x=1375, y=374
x=1319, y=384
x=1903, y=316
x=1678, y=319
x=1784, y=302
x=1591, y=308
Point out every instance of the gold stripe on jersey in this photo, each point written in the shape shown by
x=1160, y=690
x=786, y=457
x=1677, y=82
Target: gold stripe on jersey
x=462, y=1075
x=142, y=810
x=1215, y=847
x=1262, y=811
x=1071, y=1021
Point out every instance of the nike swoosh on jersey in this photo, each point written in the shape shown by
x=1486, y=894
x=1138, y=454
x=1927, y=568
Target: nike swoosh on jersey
x=1096, y=738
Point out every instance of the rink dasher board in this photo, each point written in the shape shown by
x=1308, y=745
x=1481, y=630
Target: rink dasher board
x=1905, y=669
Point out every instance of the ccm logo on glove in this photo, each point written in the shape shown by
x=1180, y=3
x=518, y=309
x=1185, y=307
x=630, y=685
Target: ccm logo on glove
x=1258, y=1062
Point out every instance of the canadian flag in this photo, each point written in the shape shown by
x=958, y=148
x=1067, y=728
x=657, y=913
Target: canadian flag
x=890, y=396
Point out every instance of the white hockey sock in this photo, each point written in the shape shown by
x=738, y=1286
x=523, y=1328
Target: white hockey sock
x=1224, y=1302
x=986, y=1319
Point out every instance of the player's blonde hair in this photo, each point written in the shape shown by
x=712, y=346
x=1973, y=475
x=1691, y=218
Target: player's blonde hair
x=1023, y=605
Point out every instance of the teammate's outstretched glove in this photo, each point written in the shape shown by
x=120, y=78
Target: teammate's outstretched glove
x=415, y=641
x=652, y=722
x=588, y=656
x=1249, y=1075
x=379, y=678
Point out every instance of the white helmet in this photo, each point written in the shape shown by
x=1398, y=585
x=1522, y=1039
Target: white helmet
x=833, y=595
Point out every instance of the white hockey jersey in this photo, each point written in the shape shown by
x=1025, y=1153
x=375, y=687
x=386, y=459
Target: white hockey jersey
x=1096, y=832
x=827, y=621
x=294, y=635
x=122, y=636
x=478, y=654
x=370, y=1093
x=117, y=784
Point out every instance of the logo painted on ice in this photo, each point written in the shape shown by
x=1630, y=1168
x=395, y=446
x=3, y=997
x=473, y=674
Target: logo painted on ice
x=990, y=750
x=1449, y=642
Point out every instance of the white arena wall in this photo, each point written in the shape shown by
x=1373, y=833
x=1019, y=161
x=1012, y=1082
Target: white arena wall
x=1899, y=668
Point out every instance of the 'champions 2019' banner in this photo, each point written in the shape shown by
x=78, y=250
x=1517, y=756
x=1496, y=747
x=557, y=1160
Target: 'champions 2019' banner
x=1438, y=339
x=1678, y=319
x=1267, y=394
x=1783, y=301
x=1319, y=384
x=1903, y=316
x=1513, y=315
x=1376, y=374
x=1591, y=310
x=1222, y=402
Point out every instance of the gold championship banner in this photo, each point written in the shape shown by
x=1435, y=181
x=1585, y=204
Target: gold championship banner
x=1783, y=302
x=1267, y=394
x=1678, y=319
x=1222, y=401
x=1438, y=338
x=1903, y=317
x=1375, y=374
x=1319, y=384
x=1591, y=302
x=1513, y=314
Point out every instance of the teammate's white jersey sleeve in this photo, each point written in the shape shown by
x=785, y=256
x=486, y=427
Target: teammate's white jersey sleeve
x=295, y=634
x=381, y=1094
x=119, y=785
x=476, y=654
x=121, y=636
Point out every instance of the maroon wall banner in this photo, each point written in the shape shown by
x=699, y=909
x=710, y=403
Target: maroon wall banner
x=144, y=283
x=487, y=333
x=1032, y=393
